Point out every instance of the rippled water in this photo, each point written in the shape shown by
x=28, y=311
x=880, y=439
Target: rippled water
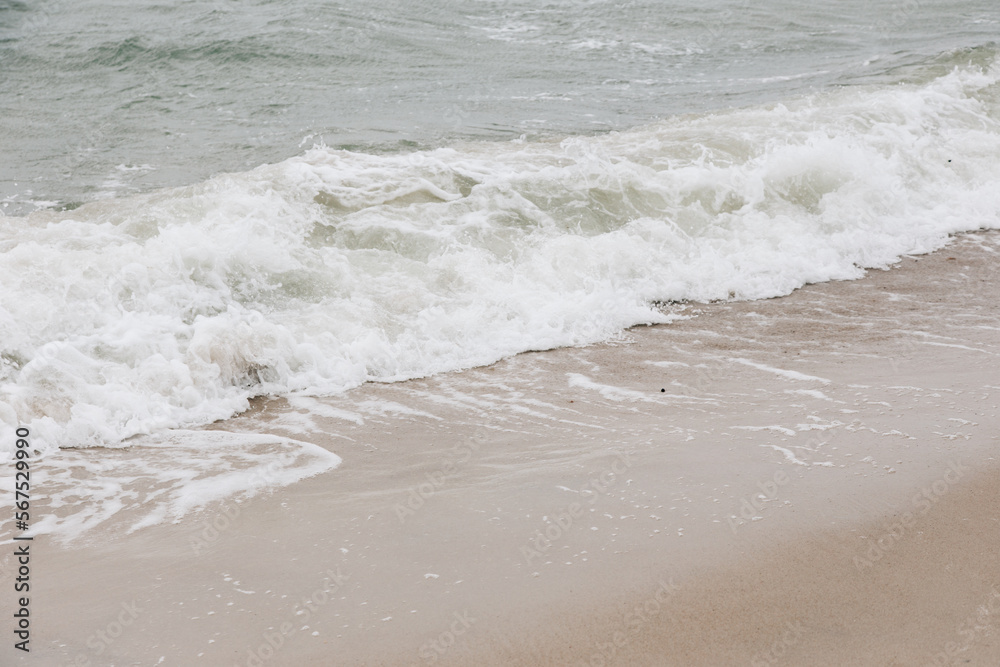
x=101, y=98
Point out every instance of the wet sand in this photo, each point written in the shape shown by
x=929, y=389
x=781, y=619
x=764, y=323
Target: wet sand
x=810, y=480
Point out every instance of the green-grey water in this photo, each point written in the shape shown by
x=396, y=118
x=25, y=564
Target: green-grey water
x=101, y=98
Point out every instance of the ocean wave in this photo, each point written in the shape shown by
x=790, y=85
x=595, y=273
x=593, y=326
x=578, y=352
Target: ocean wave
x=333, y=268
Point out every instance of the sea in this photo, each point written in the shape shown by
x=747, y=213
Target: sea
x=206, y=202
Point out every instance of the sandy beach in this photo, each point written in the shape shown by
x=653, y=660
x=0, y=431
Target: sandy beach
x=807, y=480
x=500, y=333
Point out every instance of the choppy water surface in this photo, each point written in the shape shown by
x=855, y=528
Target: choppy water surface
x=100, y=98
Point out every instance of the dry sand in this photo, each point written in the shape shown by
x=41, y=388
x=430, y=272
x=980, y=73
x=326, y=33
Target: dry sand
x=808, y=480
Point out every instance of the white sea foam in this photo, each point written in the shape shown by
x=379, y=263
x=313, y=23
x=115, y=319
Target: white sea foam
x=170, y=309
x=791, y=375
x=76, y=492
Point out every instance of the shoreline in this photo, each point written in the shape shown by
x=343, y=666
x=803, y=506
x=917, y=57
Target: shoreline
x=723, y=474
